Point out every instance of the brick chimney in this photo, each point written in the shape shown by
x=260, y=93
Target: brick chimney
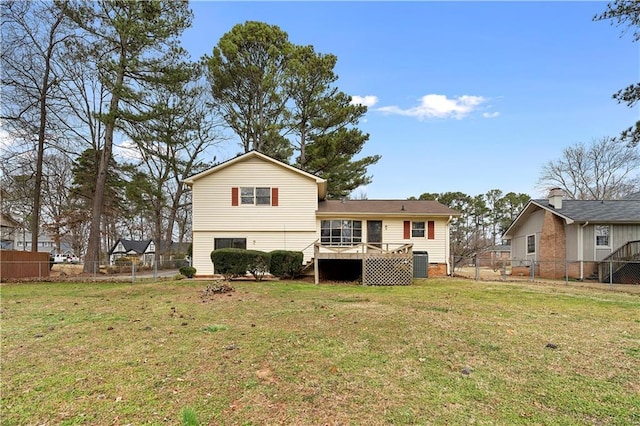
x=555, y=198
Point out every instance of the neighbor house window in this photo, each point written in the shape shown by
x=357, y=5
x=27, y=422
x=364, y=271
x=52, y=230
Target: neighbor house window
x=254, y=196
x=417, y=229
x=340, y=232
x=220, y=243
x=602, y=235
x=531, y=244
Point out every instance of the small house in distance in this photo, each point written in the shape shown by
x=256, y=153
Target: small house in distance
x=142, y=251
x=256, y=202
x=580, y=238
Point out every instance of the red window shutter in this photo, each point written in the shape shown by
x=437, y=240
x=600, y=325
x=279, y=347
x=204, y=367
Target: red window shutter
x=274, y=196
x=431, y=232
x=234, y=196
x=407, y=229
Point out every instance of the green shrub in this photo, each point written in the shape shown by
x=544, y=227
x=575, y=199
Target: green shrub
x=188, y=271
x=229, y=262
x=258, y=263
x=286, y=264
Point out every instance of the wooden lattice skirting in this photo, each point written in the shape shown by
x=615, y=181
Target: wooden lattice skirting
x=389, y=269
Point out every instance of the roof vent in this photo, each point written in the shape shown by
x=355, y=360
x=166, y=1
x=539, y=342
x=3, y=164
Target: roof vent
x=402, y=208
x=555, y=198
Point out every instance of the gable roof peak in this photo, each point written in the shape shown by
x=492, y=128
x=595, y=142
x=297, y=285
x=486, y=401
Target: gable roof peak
x=321, y=182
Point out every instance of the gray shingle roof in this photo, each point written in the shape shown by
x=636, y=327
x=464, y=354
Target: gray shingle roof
x=138, y=246
x=609, y=211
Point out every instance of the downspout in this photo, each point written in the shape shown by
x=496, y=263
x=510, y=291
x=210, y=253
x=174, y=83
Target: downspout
x=447, y=247
x=581, y=249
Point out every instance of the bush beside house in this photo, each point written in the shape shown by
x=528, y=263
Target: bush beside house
x=286, y=264
x=231, y=262
x=187, y=271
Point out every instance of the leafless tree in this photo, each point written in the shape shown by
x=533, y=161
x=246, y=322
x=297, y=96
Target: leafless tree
x=606, y=169
x=33, y=36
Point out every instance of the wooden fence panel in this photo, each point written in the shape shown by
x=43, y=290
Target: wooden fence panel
x=23, y=264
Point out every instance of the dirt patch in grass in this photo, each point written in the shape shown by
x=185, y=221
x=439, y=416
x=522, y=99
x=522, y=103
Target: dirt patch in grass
x=437, y=352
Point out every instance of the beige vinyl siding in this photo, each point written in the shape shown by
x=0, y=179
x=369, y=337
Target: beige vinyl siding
x=297, y=199
x=203, y=244
x=269, y=241
x=393, y=234
x=202, y=247
x=437, y=248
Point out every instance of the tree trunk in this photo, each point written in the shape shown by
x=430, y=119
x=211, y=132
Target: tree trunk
x=93, y=247
x=44, y=91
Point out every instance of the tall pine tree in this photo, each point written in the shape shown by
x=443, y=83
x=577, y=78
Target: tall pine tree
x=134, y=46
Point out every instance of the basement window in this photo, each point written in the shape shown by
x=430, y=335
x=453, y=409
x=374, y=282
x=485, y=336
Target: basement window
x=238, y=243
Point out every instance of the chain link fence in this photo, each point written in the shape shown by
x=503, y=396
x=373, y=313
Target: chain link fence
x=132, y=271
x=607, y=272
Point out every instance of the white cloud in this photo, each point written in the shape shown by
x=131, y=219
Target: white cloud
x=367, y=101
x=439, y=106
x=127, y=150
x=490, y=114
x=5, y=139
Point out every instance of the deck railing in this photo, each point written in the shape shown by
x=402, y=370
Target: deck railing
x=364, y=248
x=607, y=268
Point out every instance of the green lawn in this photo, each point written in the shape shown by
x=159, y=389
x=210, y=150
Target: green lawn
x=439, y=352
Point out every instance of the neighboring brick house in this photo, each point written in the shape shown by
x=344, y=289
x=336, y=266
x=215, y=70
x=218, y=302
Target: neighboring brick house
x=256, y=202
x=570, y=237
x=495, y=256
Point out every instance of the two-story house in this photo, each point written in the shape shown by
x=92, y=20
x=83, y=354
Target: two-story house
x=256, y=202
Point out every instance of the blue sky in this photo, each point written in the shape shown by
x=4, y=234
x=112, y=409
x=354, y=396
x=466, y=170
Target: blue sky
x=462, y=96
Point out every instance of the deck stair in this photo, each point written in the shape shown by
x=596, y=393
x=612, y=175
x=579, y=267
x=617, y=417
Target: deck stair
x=621, y=266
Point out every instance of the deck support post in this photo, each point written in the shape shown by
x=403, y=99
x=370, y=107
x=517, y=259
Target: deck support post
x=316, y=272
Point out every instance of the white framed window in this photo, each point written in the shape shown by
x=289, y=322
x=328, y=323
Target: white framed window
x=531, y=244
x=340, y=232
x=417, y=229
x=246, y=195
x=602, y=235
x=263, y=196
x=255, y=196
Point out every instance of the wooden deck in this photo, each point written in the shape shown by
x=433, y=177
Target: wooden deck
x=386, y=264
